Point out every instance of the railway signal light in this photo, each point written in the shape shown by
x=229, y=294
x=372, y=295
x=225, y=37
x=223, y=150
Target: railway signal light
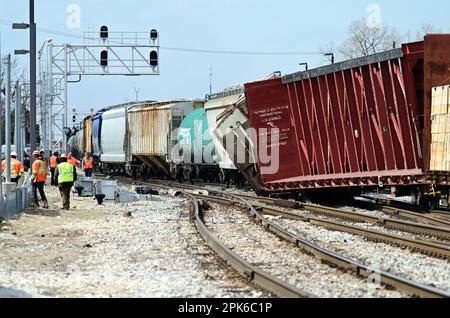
x=104, y=32
x=74, y=118
x=154, y=59
x=104, y=58
x=153, y=35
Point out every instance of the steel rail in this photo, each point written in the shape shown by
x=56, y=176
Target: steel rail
x=251, y=273
x=402, y=225
x=435, y=249
x=389, y=223
x=322, y=254
x=386, y=278
x=407, y=211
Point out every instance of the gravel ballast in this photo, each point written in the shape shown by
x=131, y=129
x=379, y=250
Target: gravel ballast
x=95, y=251
x=285, y=261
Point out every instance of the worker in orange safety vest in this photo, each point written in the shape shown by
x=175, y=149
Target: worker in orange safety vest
x=72, y=160
x=17, y=170
x=39, y=177
x=88, y=165
x=54, y=161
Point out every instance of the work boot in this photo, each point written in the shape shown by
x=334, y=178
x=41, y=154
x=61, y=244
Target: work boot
x=46, y=205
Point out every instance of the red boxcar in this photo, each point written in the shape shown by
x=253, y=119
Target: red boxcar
x=362, y=122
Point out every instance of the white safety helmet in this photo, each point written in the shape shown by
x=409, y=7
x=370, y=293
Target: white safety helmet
x=13, y=154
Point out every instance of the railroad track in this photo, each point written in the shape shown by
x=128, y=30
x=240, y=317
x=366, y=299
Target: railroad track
x=249, y=272
x=258, y=214
x=434, y=218
x=244, y=268
x=439, y=232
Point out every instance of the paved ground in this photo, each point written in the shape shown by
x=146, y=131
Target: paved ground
x=95, y=251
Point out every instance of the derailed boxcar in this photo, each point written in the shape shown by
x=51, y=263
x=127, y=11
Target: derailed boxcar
x=151, y=138
x=357, y=124
x=217, y=104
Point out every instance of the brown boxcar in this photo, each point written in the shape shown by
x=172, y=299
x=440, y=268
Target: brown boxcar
x=363, y=122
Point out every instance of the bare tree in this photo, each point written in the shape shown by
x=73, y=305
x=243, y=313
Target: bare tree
x=364, y=40
x=426, y=29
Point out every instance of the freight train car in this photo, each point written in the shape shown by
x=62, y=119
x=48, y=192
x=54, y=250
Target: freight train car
x=97, y=122
x=359, y=124
x=215, y=105
x=151, y=138
x=87, y=136
x=195, y=156
x=76, y=143
x=113, y=139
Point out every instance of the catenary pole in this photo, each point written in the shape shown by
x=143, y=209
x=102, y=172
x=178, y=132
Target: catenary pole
x=8, y=119
x=32, y=80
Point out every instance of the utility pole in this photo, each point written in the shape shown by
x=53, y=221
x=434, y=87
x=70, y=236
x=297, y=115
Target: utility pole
x=137, y=91
x=17, y=123
x=210, y=79
x=32, y=80
x=8, y=119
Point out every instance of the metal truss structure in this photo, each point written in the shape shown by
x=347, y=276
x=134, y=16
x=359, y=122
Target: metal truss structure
x=101, y=54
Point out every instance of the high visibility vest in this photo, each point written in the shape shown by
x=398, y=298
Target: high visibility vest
x=65, y=173
x=73, y=161
x=53, y=162
x=16, y=168
x=88, y=163
x=40, y=170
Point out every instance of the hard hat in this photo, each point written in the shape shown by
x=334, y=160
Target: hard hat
x=36, y=153
x=64, y=155
x=13, y=154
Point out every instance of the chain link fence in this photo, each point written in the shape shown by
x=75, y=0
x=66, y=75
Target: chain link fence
x=16, y=201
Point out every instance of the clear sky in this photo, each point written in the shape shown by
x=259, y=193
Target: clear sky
x=232, y=25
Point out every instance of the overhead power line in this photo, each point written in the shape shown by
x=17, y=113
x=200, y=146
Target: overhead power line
x=183, y=49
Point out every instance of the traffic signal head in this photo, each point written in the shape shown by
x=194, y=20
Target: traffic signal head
x=104, y=58
x=104, y=32
x=154, y=58
x=153, y=35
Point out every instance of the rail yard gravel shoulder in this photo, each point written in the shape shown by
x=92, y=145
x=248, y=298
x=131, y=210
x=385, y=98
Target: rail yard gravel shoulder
x=96, y=251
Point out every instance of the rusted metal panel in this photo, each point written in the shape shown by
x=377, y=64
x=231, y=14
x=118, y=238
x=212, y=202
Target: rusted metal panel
x=149, y=131
x=87, y=135
x=151, y=127
x=356, y=123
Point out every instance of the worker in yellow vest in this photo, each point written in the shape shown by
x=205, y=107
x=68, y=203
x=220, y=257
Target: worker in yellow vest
x=66, y=174
x=17, y=169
